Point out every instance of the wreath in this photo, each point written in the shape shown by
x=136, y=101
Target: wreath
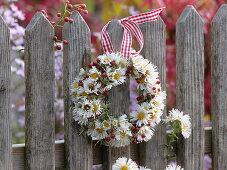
x=90, y=89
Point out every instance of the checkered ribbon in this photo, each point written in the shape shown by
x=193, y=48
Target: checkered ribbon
x=131, y=26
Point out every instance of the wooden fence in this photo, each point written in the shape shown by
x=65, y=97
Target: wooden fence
x=42, y=152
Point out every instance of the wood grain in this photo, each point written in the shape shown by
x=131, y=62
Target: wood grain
x=39, y=105
x=155, y=51
x=118, y=99
x=219, y=88
x=5, y=106
x=190, y=85
x=78, y=148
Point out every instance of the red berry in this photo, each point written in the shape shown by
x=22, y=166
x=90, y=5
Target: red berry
x=103, y=74
x=86, y=76
x=58, y=14
x=138, y=98
x=98, y=60
x=79, y=10
x=138, y=81
x=85, y=11
x=94, y=63
x=105, y=93
x=107, y=139
x=130, y=67
x=55, y=38
x=159, y=90
x=134, y=136
x=70, y=6
x=80, y=83
x=133, y=127
x=67, y=2
x=143, y=75
x=112, y=63
x=153, y=88
x=90, y=65
x=137, y=129
x=143, y=135
x=112, y=136
x=44, y=12
x=66, y=19
x=158, y=82
x=58, y=47
x=71, y=20
x=149, y=95
x=102, y=86
x=65, y=42
x=141, y=97
x=83, y=6
x=149, y=124
x=69, y=14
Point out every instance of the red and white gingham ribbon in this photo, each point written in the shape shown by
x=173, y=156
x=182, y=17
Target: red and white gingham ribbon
x=131, y=26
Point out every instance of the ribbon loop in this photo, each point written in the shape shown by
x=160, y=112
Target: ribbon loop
x=131, y=26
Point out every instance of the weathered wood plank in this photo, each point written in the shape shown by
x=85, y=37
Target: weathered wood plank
x=118, y=98
x=155, y=51
x=190, y=85
x=219, y=88
x=78, y=149
x=5, y=106
x=39, y=106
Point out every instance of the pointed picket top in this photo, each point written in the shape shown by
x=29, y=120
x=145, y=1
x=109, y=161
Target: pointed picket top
x=77, y=18
x=188, y=12
x=38, y=20
x=221, y=15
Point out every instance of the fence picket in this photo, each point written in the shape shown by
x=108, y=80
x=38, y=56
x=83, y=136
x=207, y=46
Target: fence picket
x=155, y=50
x=78, y=148
x=190, y=83
x=5, y=106
x=219, y=88
x=119, y=98
x=39, y=106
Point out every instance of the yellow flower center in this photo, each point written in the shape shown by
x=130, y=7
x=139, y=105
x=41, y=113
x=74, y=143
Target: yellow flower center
x=146, y=108
x=75, y=94
x=124, y=167
x=123, y=134
x=107, y=59
x=100, y=130
x=84, y=94
x=106, y=124
x=152, y=116
x=76, y=85
x=142, y=80
x=183, y=128
x=154, y=103
x=94, y=75
x=95, y=108
x=147, y=73
x=140, y=116
x=117, y=76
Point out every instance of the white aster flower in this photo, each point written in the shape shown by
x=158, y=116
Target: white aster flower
x=123, y=122
x=106, y=125
x=98, y=132
x=80, y=119
x=125, y=164
x=94, y=73
x=122, y=137
x=117, y=76
x=105, y=58
x=145, y=133
x=91, y=86
x=141, y=116
x=186, y=129
x=174, y=167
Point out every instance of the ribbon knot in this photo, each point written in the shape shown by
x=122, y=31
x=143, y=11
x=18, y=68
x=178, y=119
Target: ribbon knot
x=131, y=26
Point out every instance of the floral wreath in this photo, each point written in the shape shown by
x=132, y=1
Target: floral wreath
x=90, y=90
